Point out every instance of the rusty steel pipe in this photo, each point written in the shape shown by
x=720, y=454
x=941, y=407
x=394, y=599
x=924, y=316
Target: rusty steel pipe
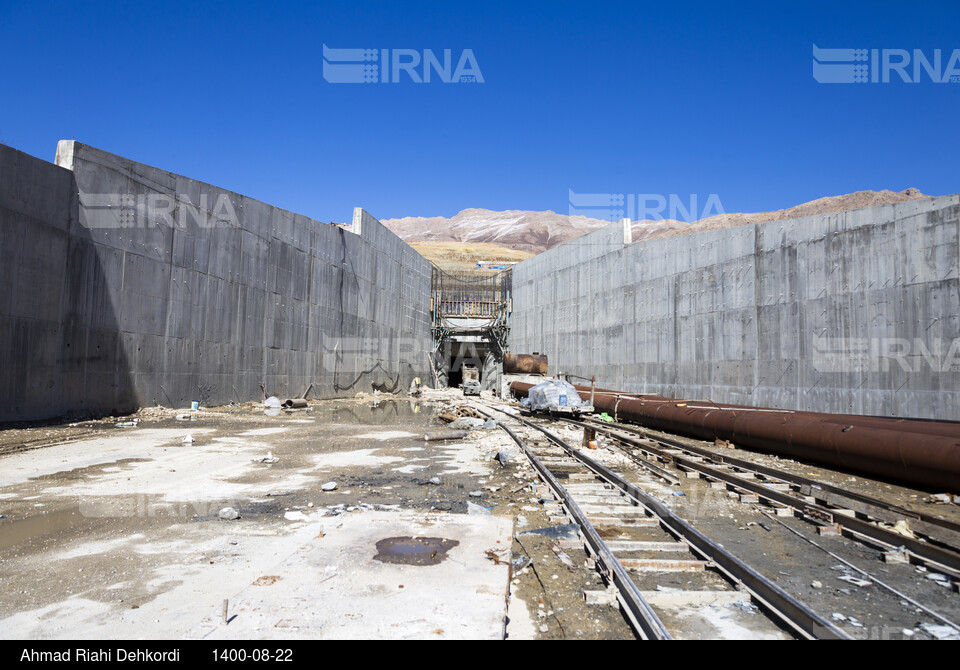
x=530, y=364
x=945, y=428
x=899, y=453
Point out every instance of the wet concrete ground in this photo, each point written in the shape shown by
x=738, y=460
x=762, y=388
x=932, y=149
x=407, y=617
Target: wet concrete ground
x=116, y=532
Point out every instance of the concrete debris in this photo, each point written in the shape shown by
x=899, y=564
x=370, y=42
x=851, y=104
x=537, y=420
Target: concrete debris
x=229, y=514
x=477, y=509
x=940, y=632
x=943, y=499
x=519, y=563
x=475, y=494
x=816, y=584
x=563, y=556
x=856, y=581
x=569, y=531
x=269, y=458
x=296, y=516
x=746, y=606
x=329, y=486
x=467, y=423
x=435, y=480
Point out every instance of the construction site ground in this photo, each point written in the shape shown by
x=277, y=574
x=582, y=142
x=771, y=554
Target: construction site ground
x=117, y=532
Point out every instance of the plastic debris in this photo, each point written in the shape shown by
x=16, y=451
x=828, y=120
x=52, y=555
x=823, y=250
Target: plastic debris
x=272, y=401
x=942, y=580
x=188, y=440
x=229, y=514
x=269, y=458
x=605, y=417
x=128, y=424
x=856, y=581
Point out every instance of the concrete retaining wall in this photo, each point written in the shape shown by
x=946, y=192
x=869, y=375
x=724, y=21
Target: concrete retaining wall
x=849, y=312
x=129, y=286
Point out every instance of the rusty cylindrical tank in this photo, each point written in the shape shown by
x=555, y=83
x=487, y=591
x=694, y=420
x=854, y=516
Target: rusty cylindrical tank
x=925, y=457
x=528, y=364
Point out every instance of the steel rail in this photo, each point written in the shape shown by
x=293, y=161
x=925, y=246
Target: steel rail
x=644, y=619
x=943, y=559
x=928, y=525
x=787, y=608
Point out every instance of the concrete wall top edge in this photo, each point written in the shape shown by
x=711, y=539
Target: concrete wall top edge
x=606, y=240
x=71, y=153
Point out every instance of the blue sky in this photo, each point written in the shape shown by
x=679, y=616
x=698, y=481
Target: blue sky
x=667, y=98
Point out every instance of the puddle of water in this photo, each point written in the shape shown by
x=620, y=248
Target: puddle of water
x=14, y=532
x=78, y=474
x=413, y=550
x=391, y=412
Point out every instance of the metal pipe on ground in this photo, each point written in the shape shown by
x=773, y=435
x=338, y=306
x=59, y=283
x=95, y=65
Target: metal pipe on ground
x=294, y=403
x=945, y=428
x=900, y=453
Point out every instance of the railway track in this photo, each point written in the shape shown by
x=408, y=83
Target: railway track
x=904, y=535
x=654, y=543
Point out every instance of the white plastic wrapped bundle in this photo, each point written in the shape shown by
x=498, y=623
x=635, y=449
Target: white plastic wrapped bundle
x=553, y=394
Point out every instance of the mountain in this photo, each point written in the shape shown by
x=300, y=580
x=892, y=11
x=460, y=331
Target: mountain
x=535, y=232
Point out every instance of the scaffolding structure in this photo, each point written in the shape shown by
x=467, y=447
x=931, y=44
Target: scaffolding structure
x=471, y=303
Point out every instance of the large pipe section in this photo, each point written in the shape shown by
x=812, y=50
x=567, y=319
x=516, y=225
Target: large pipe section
x=920, y=453
x=948, y=429
x=525, y=364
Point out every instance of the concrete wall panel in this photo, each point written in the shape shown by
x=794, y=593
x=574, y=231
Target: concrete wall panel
x=131, y=286
x=848, y=312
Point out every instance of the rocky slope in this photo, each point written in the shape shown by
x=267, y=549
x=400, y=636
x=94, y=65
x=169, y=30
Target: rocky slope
x=538, y=231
